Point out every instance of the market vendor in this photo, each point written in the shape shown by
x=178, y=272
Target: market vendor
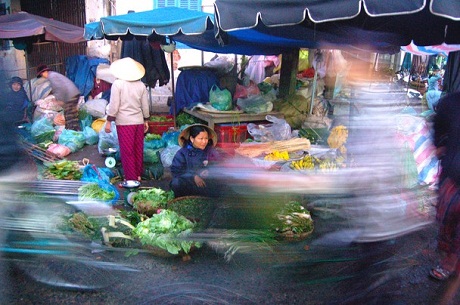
x=190, y=165
x=433, y=93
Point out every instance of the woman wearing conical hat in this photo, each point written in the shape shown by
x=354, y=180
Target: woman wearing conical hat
x=129, y=109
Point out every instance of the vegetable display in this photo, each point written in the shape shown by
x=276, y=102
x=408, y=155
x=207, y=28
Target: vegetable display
x=148, y=201
x=93, y=191
x=166, y=230
x=323, y=164
x=195, y=208
x=62, y=170
x=292, y=220
x=159, y=118
x=152, y=136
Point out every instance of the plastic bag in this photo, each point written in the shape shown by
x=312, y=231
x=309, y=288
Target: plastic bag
x=278, y=131
x=151, y=156
x=91, y=136
x=154, y=144
x=92, y=173
x=254, y=104
x=108, y=140
x=167, y=154
x=74, y=140
x=220, y=99
x=59, y=150
x=96, y=107
x=101, y=176
x=171, y=137
x=86, y=121
x=42, y=130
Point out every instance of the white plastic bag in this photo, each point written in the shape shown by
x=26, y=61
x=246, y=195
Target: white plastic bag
x=96, y=107
x=278, y=131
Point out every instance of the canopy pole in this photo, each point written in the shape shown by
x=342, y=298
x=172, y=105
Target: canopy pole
x=28, y=73
x=173, y=103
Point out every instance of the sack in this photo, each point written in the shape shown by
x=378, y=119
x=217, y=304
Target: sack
x=220, y=99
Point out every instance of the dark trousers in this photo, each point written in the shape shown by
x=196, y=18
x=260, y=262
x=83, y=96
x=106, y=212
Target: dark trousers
x=71, y=114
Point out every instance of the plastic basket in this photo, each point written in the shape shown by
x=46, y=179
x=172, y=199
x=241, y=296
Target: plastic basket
x=231, y=133
x=161, y=127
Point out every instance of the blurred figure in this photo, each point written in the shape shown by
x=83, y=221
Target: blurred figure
x=17, y=102
x=66, y=93
x=189, y=166
x=447, y=141
x=433, y=93
x=129, y=109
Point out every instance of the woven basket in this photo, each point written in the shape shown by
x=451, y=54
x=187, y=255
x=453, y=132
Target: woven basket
x=201, y=215
x=291, y=237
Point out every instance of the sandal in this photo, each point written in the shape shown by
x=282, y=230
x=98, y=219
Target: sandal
x=440, y=273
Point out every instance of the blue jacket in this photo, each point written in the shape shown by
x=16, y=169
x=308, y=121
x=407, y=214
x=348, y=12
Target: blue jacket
x=190, y=161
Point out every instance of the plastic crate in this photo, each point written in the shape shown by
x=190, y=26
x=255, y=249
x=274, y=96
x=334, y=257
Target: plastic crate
x=161, y=127
x=228, y=133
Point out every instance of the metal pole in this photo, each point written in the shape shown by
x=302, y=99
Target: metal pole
x=28, y=74
x=173, y=103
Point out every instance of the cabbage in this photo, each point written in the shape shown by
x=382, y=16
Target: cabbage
x=166, y=230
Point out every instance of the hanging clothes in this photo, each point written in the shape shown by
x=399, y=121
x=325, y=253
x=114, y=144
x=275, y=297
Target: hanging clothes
x=151, y=56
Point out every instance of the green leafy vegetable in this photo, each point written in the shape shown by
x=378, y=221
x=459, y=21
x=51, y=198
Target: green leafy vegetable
x=292, y=218
x=63, y=170
x=166, y=230
x=152, y=136
x=149, y=200
x=93, y=191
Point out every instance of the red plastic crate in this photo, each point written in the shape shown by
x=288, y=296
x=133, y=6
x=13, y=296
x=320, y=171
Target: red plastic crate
x=161, y=127
x=231, y=133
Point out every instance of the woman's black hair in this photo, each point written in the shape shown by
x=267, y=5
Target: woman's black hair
x=195, y=131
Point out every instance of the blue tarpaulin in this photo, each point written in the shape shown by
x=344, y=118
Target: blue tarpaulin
x=167, y=21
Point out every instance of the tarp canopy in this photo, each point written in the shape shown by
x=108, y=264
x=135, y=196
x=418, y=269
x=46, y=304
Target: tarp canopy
x=25, y=25
x=167, y=21
x=366, y=23
x=442, y=49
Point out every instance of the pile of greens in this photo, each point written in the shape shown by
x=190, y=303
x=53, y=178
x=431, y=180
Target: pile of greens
x=93, y=191
x=147, y=201
x=292, y=219
x=166, y=230
x=62, y=170
x=195, y=208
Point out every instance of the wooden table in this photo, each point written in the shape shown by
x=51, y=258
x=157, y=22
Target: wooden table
x=218, y=118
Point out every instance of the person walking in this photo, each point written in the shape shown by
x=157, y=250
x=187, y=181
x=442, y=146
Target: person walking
x=447, y=141
x=129, y=109
x=66, y=93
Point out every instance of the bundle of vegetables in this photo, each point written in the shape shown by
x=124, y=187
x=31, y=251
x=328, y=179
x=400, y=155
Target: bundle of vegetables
x=62, y=170
x=292, y=221
x=148, y=201
x=153, y=141
x=195, y=208
x=160, y=118
x=183, y=118
x=166, y=230
x=95, y=191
